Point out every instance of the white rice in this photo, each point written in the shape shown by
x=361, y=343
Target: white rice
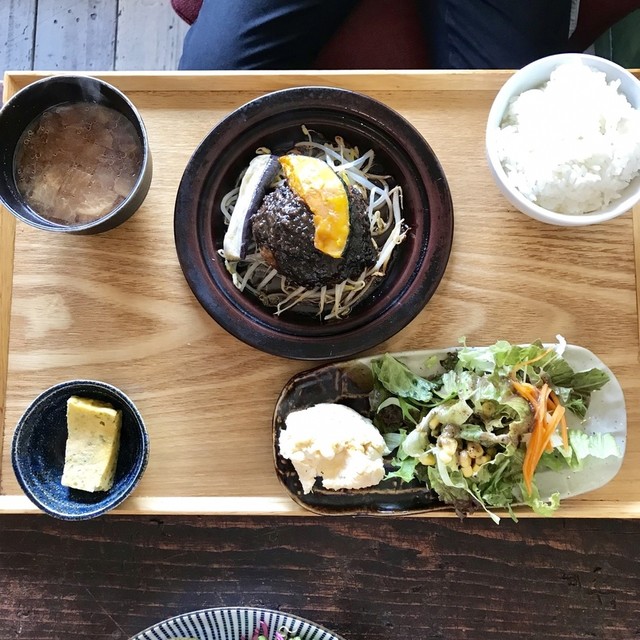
x=572, y=145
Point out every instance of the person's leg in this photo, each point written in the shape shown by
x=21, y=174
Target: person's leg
x=495, y=34
x=261, y=34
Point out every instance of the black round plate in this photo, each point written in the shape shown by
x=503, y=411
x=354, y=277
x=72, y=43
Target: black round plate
x=275, y=121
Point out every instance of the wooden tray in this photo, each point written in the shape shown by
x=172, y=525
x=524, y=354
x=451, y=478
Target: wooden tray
x=116, y=307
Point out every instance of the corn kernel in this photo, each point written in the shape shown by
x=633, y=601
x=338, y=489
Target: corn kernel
x=448, y=445
x=467, y=472
x=464, y=460
x=474, y=450
x=427, y=459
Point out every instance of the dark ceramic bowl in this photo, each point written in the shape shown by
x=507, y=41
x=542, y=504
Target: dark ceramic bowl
x=275, y=120
x=29, y=103
x=38, y=450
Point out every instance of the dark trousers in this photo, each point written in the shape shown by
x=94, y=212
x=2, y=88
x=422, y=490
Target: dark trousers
x=288, y=34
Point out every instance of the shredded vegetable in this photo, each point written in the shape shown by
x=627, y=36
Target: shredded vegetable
x=548, y=415
x=262, y=633
x=484, y=421
x=387, y=226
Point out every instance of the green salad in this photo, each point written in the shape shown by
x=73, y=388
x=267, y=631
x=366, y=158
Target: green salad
x=481, y=421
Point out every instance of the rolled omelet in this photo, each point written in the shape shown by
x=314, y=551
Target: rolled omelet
x=92, y=446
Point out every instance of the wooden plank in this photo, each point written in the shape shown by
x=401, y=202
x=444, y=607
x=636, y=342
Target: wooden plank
x=363, y=578
x=149, y=35
x=176, y=363
x=7, y=237
x=17, y=28
x=7, y=234
x=247, y=81
x=580, y=507
x=75, y=35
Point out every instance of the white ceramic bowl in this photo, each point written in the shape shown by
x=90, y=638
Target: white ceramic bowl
x=534, y=75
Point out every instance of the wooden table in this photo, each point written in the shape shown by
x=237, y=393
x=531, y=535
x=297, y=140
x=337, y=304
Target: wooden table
x=193, y=538
x=365, y=578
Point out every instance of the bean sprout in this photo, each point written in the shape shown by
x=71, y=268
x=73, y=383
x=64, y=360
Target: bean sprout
x=384, y=209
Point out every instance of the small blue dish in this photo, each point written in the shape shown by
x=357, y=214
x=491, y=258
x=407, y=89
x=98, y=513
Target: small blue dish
x=38, y=450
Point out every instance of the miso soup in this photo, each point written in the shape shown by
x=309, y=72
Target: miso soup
x=76, y=162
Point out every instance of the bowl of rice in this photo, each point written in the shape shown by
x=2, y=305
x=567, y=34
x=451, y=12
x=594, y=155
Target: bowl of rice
x=563, y=140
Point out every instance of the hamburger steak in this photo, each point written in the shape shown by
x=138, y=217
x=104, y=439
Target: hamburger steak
x=284, y=232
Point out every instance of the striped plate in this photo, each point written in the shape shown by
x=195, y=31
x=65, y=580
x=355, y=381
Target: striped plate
x=233, y=623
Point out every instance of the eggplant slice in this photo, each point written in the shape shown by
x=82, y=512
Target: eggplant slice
x=350, y=383
x=259, y=175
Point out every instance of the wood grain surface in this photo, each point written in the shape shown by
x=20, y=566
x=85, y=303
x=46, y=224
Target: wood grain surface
x=116, y=307
x=17, y=33
x=365, y=579
x=75, y=35
x=149, y=35
x=89, y=34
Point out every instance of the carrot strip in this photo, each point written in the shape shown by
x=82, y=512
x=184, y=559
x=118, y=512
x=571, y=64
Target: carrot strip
x=548, y=414
x=543, y=407
x=535, y=445
x=521, y=365
x=526, y=390
x=553, y=421
x=540, y=441
x=536, y=449
x=543, y=400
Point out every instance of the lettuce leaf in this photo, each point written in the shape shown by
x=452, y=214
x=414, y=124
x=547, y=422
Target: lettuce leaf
x=496, y=481
x=537, y=504
x=472, y=432
x=581, y=446
x=451, y=412
x=405, y=464
x=406, y=409
x=405, y=469
x=598, y=445
x=415, y=444
x=454, y=492
x=394, y=440
x=451, y=483
x=398, y=379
